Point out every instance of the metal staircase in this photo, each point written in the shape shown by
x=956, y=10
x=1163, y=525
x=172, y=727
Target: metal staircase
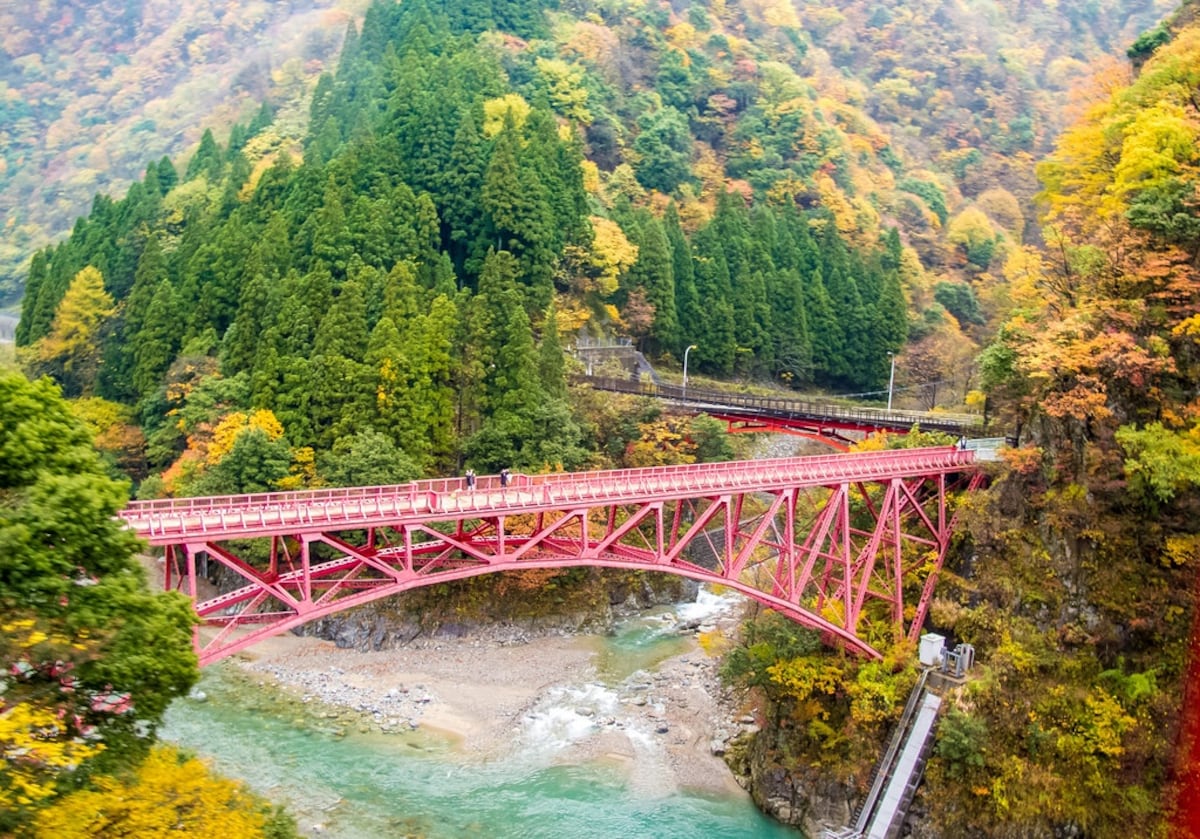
x=898, y=772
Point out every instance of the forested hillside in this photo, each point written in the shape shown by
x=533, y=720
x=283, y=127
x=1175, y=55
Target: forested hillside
x=392, y=278
x=93, y=92
x=1076, y=576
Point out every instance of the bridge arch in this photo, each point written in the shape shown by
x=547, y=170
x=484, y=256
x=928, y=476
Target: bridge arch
x=826, y=540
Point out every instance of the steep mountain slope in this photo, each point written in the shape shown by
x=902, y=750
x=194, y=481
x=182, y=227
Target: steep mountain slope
x=93, y=92
x=964, y=93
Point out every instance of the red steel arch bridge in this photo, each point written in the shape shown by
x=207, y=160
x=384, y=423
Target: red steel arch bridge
x=828, y=540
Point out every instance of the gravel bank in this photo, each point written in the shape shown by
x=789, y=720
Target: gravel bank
x=501, y=692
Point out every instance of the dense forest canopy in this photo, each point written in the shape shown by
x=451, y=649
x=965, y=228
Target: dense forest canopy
x=93, y=91
x=964, y=93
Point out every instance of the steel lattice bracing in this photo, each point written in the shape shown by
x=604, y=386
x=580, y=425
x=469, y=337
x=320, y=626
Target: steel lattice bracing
x=827, y=541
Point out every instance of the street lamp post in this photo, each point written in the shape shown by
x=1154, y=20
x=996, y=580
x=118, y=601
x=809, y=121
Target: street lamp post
x=891, y=379
x=685, y=359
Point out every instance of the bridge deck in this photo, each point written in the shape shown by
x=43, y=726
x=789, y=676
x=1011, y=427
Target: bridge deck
x=176, y=520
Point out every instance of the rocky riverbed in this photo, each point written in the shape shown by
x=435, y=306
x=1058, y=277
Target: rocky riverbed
x=501, y=689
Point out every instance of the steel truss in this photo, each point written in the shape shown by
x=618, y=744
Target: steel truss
x=849, y=545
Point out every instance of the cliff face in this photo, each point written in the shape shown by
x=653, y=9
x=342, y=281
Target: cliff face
x=589, y=603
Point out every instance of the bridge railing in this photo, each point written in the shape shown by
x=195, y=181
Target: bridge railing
x=772, y=406
x=452, y=496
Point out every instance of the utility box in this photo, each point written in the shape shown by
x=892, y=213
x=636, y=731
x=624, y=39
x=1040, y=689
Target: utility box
x=931, y=649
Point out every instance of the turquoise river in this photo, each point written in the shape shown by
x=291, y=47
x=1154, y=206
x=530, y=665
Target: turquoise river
x=413, y=785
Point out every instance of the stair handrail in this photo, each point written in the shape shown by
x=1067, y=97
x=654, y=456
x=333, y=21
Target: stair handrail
x=883, y=769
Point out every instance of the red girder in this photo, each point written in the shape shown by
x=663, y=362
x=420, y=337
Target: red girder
x=829, y=434
x=825, y=540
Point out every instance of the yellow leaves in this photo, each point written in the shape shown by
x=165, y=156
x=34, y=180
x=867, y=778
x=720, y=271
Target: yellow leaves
x=661, y=443
x=1010, y=653
x=591, y=176
x=33, y=752
x=775, y=13
x=1160, y=143
x=1181, y=550
x=714, y=643
x=496, y=111
x=565, y=88
x=170, y=795
x=612, y=253
x=81, y=313
x=682, y=36
x=1189, y=327
x=835, y=201
x=593, y=41
x=231, y=426
x=804, y=677
x=303, y=472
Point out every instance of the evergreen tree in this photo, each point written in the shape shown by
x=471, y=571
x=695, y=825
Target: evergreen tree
x=38, y=269
x=688, y=310
x=366, y=458
x=827, y=339
x=551, y=366
x=240, y=345
x=331, y=241
x=854, y=364
x=154, y=344
x=665, y=146
x=461, y=189
x=792, y=343
x=207, y=161
x=519, y=216
x=654, y=272
x=343, y=331
x=167, y=176
x=716, y=339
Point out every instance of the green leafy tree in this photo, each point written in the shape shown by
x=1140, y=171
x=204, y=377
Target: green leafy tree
x=367, y=458
x=665, y=146
x=68, y=570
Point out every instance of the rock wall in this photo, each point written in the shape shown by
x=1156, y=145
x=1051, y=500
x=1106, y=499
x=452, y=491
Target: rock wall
x=399, y=620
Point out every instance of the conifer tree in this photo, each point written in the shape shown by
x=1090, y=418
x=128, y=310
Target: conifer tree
x=206, y=161
x=551, y=366
x=792, y=343
x=343, y=331
x=716, y=339
x=330, y=237
x=824, y=329
x=168, y=177
x=38, y=269
x=519, y=216
x=688, y=309
x=156, y=341
x=240, y=345
x=461, y=188
x=71, y=350
x=50, y=290
x=853, y=364
x=654, y=272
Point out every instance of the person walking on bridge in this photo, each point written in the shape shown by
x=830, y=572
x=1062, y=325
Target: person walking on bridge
x=470, y=476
